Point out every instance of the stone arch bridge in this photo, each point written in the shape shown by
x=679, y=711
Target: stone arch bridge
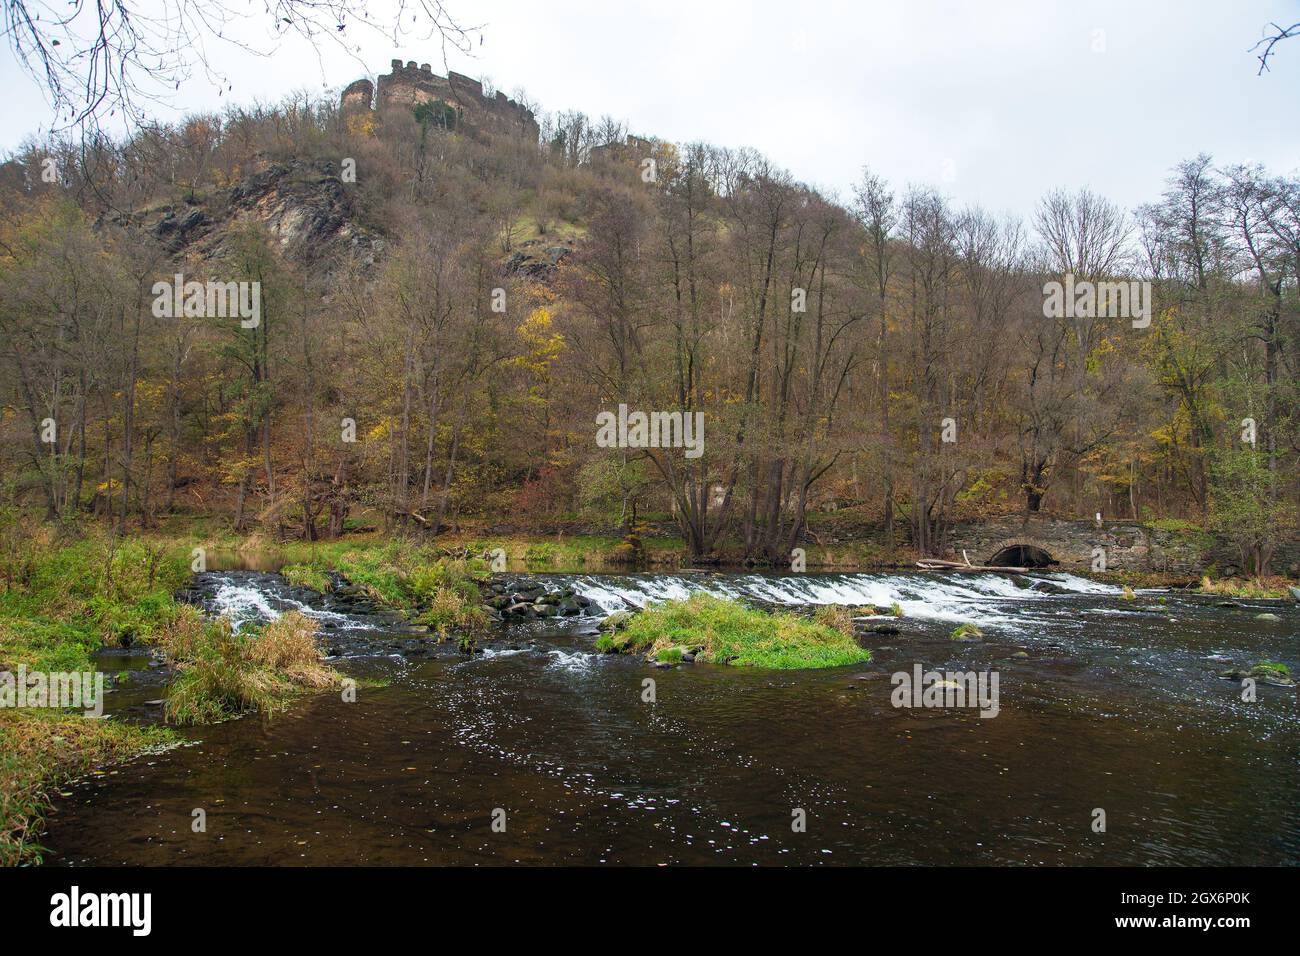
x=1068, y=545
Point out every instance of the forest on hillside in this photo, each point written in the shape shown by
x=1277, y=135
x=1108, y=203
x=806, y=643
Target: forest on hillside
x=445, y=313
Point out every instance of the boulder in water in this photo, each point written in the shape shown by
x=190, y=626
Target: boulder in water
x=967, y=632
x=1265, y=672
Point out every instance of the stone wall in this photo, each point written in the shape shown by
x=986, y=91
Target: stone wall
x=1128, y=545
x=634, y=149
x=358, y=97
x=409, y=85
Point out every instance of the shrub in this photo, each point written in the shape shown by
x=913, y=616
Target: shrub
x=449, y=612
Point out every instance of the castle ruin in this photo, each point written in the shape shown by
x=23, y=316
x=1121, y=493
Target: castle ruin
x=461, y=97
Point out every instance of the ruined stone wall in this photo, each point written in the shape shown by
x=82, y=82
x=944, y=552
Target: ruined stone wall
x=633, y=150
x=407, y=86
x=358, y=97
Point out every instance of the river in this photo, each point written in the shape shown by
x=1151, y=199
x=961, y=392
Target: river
x=1116, y=707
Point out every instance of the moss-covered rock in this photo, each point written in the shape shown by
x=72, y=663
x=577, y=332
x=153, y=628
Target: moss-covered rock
x=1265, y=672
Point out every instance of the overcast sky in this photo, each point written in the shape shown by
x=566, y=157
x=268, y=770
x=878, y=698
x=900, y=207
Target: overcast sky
x=992, y=102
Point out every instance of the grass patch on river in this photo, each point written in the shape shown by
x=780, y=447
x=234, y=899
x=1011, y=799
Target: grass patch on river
x=722, y=631
x=223, y=674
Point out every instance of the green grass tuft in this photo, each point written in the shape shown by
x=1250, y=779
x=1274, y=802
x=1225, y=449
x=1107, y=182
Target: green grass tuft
x=307, y=576
x=728, y=632
x=1273, y=666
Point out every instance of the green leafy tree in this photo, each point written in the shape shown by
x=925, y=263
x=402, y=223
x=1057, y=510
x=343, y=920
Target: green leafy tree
x=1245, y=510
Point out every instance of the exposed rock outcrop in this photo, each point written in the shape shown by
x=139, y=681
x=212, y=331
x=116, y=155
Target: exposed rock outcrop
x=306, y=207
x=535, y=260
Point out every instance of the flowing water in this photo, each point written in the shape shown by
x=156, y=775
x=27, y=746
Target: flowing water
x=1116, y=707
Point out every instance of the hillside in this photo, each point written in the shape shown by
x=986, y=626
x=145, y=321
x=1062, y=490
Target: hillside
x=454, y=289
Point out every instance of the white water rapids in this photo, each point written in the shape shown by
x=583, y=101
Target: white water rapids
x=956, y=597
x=987, y=599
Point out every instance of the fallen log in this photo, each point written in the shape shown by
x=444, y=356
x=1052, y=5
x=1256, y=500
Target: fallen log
x=936, y=565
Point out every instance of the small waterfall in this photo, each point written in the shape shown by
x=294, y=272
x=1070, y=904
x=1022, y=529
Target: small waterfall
x=979, y=597
x=254, y=597
x=251, y=597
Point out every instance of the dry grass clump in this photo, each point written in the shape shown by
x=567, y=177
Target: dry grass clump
x=223, y=674
x=835, y=616
x=1252, y=588
x=288, y=646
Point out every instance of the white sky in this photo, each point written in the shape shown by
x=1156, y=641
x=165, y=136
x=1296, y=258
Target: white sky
x=992, y=102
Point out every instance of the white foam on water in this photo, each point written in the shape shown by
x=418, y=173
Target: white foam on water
x=1083, y=585
x=981, y=598
x=242, y=604
x=245, y=604
x=490, y=652
x=575, y=662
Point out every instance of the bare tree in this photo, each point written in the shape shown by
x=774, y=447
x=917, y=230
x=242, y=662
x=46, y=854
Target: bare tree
x=99, y=60
x=877, y=214
x=1271, y=40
